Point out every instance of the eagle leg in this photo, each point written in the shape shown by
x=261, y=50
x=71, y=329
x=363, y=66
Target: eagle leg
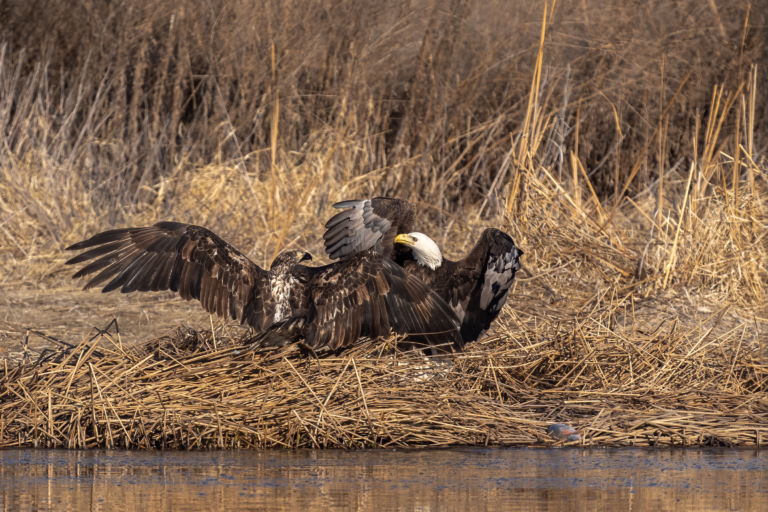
x=307, y=351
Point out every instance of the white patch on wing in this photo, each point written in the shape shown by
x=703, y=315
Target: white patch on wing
x=498, y=277
x=281, y=292
x=460, y=308
x=495, y=308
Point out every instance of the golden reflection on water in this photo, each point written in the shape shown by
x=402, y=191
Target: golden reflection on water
x=463, y=479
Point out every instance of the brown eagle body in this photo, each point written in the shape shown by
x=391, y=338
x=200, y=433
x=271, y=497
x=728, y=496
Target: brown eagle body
x=328, y=306
x=475, y=287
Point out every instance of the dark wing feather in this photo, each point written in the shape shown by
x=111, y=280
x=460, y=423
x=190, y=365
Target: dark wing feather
x=368, y=295
x=182, y=258
x=475, y=287
x=496, y=258
x=368, y=224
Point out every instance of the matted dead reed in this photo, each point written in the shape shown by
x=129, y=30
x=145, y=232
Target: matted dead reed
x=618, y=385
x=638, y=317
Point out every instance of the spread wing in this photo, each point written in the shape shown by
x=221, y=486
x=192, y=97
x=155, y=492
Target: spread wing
x=369, y=294
x=183, y=258
x=494, y=261
x=367, y=224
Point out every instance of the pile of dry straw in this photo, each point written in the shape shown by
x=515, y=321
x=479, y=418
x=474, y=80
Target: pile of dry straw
x=669, y=386
x=639, y=318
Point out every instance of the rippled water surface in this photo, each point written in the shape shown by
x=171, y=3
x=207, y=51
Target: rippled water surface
x=460, y=479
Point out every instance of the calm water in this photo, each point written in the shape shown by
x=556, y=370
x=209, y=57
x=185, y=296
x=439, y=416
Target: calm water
x=462, y=479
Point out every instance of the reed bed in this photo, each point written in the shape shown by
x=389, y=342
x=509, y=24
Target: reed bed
x=634, y=180
x=618, y=386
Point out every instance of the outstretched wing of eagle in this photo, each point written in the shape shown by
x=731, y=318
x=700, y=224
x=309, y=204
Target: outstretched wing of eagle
x=367, y=224
x=328, y=306
x=183, y=258
x=475, y=287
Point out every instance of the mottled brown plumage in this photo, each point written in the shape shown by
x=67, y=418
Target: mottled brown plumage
x=475, y=287
x=332, y=306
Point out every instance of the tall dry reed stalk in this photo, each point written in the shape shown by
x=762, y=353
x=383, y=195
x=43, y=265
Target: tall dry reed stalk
x=252, y=117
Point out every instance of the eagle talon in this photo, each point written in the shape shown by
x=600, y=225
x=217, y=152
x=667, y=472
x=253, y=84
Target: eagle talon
x=306, y=350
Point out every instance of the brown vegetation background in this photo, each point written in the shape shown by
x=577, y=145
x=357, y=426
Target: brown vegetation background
x=251, y=118
x=621, y=144
x=566, y=124
x=112, y=106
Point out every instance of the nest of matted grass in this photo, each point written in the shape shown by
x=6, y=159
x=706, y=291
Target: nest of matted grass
x=192, y=391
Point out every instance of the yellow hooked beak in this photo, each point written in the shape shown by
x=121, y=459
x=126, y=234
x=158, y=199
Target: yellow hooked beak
x=405, y=240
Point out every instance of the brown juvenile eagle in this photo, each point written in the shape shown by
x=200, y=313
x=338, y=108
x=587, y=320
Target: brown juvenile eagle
x=332, y=305
x=475, y=287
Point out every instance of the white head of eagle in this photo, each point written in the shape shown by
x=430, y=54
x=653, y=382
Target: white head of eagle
x=425, y=250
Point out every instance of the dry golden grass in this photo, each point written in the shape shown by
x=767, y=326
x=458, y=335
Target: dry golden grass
x=254, y=116
x=618, y=386
x=630, y=173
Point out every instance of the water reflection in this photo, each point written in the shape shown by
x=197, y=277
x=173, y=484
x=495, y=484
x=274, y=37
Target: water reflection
x=463, y=479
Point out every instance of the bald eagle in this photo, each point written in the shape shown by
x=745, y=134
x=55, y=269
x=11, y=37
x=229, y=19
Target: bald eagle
x=327, y=306
x=475, y=287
